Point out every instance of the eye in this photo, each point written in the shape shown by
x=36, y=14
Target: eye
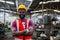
x=20, y=12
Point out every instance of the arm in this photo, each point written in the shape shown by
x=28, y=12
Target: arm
x=31, y=27
x=14, y=29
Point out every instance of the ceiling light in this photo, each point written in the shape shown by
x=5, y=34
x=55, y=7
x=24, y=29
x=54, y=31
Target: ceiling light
x=40, y=3
x=57, y=0
x=9, y=2
x=51, y=1
x=42, y=10
x=2, y=1
x=1, y=9
x=29, y=0
x=34, y=14
x=57, y=11
x=48, y=2
x=7, y=11
x=39, y=16
x=43, y=2
x=34, y=11
x=58, y=17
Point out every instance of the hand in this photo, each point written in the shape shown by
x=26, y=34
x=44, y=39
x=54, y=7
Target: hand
x=27, y=30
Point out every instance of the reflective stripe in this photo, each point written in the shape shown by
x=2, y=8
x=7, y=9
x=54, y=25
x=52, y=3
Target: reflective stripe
x=27, y=24
x=29, y=39
x=22, y=39
x=18, y=39
x=17, y=21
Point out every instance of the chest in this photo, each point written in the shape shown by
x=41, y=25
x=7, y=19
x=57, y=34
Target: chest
x=24, y=24
x=21, y=25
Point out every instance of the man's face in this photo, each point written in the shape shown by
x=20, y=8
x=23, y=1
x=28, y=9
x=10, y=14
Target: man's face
x=22, y=11
x=21, y=14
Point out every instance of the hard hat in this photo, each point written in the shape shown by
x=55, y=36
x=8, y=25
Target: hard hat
x=21, y=6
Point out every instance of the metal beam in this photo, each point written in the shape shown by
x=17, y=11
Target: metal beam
x=8, y=11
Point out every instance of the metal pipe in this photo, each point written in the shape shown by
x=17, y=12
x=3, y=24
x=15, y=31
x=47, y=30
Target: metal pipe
x=16, y=4
x=4, y=12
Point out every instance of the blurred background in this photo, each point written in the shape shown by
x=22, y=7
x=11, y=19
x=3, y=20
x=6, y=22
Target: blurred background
x=45, y=15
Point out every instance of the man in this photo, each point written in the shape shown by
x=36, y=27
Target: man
x=22, y=28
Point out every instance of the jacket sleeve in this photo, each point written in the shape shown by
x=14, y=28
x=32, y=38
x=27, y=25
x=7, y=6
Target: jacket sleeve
x=13, y=27
x=31, y=24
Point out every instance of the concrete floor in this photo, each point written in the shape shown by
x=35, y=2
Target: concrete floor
x=8, y=36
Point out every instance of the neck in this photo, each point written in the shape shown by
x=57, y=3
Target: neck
x=22, y=19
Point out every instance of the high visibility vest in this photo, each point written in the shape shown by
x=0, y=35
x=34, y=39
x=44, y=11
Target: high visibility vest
x=20, y=26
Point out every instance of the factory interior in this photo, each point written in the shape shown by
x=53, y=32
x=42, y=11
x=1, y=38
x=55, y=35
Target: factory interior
x=45, y=15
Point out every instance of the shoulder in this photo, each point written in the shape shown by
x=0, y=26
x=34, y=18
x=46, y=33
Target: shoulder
x=30, y=21
x=14, y=22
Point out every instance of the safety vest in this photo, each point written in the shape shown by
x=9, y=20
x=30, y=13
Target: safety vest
x=20, y=26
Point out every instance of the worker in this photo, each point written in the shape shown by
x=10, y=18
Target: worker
x=22, y=28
